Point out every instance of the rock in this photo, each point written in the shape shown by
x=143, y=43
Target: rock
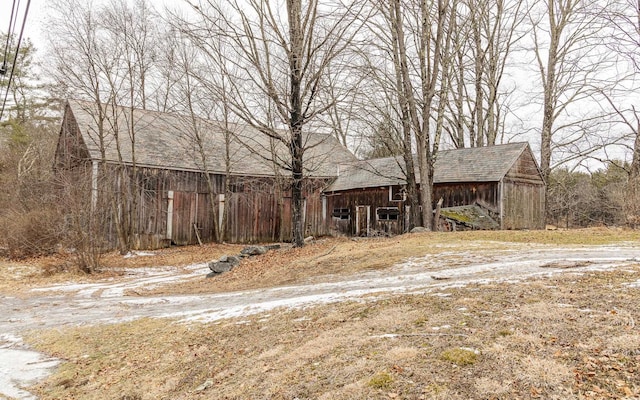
x=233, y=260
x=308, y=239
x=418, y=229
x=253, y=250
x=205, y=386
x=224, y=264
x=219, y=266
x=272, y=246
x=212, y=274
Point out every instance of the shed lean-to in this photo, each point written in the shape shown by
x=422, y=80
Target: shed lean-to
x=501, y=182
x=153, y=158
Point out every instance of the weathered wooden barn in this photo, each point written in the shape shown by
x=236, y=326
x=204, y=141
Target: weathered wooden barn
x=494, y=187
x=177, y=174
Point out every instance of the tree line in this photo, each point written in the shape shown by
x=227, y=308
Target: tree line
x=392, y=77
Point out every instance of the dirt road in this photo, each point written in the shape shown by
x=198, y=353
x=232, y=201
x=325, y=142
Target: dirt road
x=107, y=302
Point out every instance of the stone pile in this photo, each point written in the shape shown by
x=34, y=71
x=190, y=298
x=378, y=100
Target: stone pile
x=226, y=263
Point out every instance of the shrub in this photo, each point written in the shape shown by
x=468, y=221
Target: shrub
x=31, y=233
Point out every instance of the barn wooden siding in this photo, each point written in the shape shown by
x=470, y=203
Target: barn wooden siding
x=504, y=181
x=523, y=195
x=254, y=214
x=361, y=202
x=459, y=194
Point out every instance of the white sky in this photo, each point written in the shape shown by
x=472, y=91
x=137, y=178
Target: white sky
x=34, y=30
x=34, y=27
x=34, y=18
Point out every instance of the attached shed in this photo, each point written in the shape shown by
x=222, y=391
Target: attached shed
x=155, y=160
x=503, y=181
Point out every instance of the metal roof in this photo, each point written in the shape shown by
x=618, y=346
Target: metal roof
x=473, y=164
x=166, y=141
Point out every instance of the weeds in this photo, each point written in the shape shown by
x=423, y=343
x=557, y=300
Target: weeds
x=460, y=356
x=381, y=381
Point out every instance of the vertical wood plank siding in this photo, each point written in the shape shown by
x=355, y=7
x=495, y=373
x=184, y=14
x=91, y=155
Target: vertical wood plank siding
x=461, y=194
x=521, y=202
x=375, y=198
x=524, y=200
x=253, y=212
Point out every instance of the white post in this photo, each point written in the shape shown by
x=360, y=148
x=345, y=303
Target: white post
x=220, y=210
x=170, y=214
x=94, y=186
x=324, y=209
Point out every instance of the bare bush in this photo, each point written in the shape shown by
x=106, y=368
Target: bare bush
x=31, y=233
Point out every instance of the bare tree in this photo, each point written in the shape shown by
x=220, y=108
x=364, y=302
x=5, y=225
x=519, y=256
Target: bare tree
x=485, y=33
x=281, y=53
x=103, y=55
x=566, y=36
x=623, y=18
x=428, y=33
x=200, y=85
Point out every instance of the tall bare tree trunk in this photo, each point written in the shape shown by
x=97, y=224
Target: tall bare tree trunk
x=294, y=12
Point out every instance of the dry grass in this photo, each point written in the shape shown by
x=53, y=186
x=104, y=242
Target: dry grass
x=345, y=256
x=322, y=257
x=567, y=337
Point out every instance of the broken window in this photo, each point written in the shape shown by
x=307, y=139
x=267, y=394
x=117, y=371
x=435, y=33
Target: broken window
x=341, y=213
x=388, y=213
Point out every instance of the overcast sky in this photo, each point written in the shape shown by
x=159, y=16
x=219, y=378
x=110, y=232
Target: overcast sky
x=34, y=18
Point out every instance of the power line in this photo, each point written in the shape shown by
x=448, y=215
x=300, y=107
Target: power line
x=15, y=58
x=3, y=69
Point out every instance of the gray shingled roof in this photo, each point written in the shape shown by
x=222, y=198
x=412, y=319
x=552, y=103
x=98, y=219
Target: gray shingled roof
x=475, y=164
x=166, y=141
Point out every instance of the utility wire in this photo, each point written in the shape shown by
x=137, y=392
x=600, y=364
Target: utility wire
x=15, y=59
x=9, y=34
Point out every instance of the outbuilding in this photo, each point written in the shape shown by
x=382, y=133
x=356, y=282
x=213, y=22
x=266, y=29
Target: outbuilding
x=168, y=177
x=493, y=187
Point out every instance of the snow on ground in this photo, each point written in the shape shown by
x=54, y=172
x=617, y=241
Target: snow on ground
x=106, y=302
x=20, y=367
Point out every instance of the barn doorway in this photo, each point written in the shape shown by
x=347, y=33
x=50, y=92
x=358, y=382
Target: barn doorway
x=363, y=220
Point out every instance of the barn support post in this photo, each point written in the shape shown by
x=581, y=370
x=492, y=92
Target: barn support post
x=169, y=214
x=324, y=210
x=220, y=212
x=94, y=185
x=501, y=199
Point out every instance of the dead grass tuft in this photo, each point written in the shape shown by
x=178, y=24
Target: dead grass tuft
x=381, y=381
x=460, y=356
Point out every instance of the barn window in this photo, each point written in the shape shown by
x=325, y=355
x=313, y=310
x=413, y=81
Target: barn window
x=387, y=213
x=341, y=213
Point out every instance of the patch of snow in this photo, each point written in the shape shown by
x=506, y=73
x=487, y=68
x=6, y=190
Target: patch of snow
x=635, y=284
x=213, y=314
x=471, y=349
x=386, y=336
x=22, y=368
x=132, y=254
x=437, y=328
x=9, y=340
